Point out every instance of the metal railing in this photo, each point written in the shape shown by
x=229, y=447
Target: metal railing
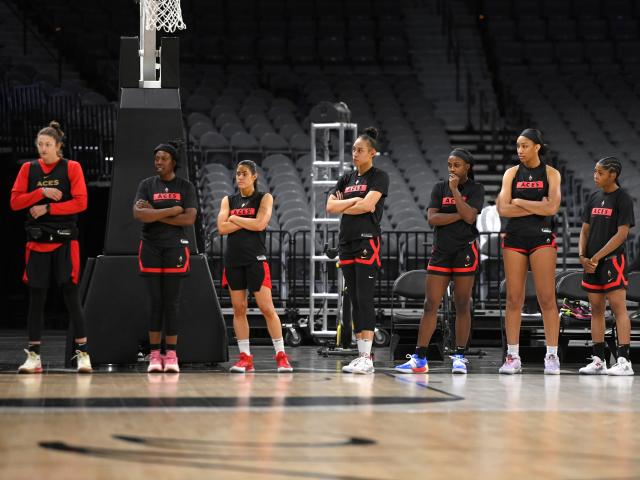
x=288, y=254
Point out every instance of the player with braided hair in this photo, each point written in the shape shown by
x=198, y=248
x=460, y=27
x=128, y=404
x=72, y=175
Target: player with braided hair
x=607, y=218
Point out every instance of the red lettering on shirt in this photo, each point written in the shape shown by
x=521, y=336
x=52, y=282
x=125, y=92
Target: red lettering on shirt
x=537, y=184
x=243, y=212
x=355, y=188
x=607, y=212
x=166, y=196
x=451, y=200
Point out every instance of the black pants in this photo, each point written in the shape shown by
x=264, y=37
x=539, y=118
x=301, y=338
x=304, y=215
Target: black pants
x=35, y=317
x=361, y=282
x=164, y=291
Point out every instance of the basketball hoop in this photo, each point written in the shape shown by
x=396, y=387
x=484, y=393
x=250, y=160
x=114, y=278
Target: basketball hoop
x=163, y=15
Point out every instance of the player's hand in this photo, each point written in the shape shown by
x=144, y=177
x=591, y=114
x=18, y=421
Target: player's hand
x=177, y=210
x=339, y=195
x=143, y=204
x=454, y=181
x=587, y=265
x=38, y=211
x=52, y=193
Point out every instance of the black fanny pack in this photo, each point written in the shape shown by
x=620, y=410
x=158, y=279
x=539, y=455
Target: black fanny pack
x=51, y=234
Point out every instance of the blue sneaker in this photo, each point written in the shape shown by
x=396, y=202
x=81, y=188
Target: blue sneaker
x=459, y=364
x=414, y=365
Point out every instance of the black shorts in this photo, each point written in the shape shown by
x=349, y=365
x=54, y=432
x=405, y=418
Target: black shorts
x=63, y=263
x=528, y=245
x=365, y=251
x=610, y=275
x=247, y=277
x=459, y=263
x=154, y=260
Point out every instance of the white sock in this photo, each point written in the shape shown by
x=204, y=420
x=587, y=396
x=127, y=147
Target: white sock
x=513, y=349
x=552, y=350
x=364, y=347
x=278, y=344
x=243, y=345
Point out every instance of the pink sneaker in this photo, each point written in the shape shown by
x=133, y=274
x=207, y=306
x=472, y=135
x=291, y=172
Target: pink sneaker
x=155, y=362
x=171, y=362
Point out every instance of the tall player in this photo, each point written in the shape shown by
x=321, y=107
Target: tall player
x=530, y=197
x=359, y=196
x=53, y=190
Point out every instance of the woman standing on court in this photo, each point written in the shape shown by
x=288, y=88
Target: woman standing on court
x=607, y=218
x=359, y=196
x=529, y=198
x=244, y=218
x=53, y=190
x=453, y=210
x=165, y=204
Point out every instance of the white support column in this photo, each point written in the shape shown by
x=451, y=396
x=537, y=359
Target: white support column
x=148, y=54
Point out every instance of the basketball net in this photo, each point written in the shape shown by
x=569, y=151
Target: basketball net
x=163, y=15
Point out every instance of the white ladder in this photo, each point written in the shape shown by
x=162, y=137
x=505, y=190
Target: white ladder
x=325, y=174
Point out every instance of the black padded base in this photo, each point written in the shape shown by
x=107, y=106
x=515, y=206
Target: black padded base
x=116, y=306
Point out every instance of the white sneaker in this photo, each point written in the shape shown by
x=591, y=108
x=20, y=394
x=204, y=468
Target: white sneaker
x=32, y=364
x=621, y=369
x=364, y=366
x=551, y=364
x=349, y=368
x=83, y=361
x=511, y=365
x=596, y=367
x=459, y=365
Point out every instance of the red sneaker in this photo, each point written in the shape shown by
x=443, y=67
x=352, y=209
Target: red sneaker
x=283, y=362
x=155, y=362
x=244, y=365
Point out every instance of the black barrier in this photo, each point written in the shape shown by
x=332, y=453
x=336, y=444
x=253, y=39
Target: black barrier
x=288, y=255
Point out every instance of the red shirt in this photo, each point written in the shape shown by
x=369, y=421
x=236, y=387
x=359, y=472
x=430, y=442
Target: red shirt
x=22, y=199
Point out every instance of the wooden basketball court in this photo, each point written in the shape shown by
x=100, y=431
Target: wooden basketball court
x=317, y=423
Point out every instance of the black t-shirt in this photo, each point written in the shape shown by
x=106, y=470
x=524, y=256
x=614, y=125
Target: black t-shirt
x=605, y=212
x=456, y=235
x=530, y=184
x=245, y=246
x=365, y=225
x=161, y=194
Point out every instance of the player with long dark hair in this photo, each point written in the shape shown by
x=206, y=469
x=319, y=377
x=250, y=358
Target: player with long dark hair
x=244, y=217
x=529, y=198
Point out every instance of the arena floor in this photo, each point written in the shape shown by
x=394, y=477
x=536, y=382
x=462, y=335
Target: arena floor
x=315, y=424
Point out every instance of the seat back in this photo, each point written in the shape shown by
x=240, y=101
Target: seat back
x=411, y=284
x=570, y=286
